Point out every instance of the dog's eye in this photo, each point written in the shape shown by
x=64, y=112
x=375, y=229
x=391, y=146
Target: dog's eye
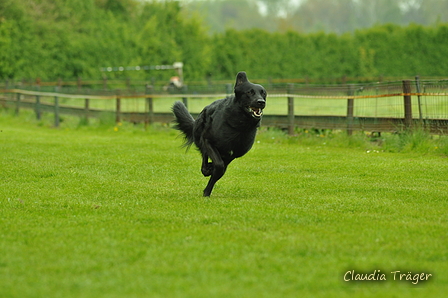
x=251, y=92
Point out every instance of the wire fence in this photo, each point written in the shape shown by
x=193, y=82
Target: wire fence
x=387, y=106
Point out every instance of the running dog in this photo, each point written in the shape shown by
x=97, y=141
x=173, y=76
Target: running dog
x=225, y=129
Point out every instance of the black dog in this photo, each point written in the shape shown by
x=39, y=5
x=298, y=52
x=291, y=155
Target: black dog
x=225, y=129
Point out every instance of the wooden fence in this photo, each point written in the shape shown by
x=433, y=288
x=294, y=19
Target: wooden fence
x=376, y=107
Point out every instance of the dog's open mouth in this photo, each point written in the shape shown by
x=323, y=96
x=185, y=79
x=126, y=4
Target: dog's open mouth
x=256, y=112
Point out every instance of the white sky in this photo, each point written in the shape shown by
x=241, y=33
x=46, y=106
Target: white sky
x=292, y=5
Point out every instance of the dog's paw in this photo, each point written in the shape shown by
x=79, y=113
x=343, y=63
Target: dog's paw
x=207, y=170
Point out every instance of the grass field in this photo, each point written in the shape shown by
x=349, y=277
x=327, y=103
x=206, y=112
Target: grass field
x=116, y=211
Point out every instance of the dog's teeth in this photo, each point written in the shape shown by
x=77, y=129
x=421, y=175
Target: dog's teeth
x=256, y=112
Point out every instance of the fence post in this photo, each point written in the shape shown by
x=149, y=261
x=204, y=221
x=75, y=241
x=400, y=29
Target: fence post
x=290, y=110
x=37, y=105
x=350, y=106
x=56, y=111
x=18, y=103
x=118, y=108
x=184, y=99
x=420, y=114
x=150, y=105
x=38, y=113
x=407, y=104
x=86, y=109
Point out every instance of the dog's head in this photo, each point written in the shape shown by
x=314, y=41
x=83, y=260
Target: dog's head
x=251, y=97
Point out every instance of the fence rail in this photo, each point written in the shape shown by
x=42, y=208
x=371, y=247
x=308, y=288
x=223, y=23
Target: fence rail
x=129, y=83
x=375, y=107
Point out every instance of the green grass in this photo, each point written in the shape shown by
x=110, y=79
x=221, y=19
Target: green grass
x=93, y=211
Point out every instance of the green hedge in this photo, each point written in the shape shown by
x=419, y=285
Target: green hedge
x=69, y=39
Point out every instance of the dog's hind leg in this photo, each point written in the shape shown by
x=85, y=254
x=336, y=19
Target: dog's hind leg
x=219, y=168
x=207, y=167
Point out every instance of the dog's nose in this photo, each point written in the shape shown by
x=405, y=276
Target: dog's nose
x=261, y=102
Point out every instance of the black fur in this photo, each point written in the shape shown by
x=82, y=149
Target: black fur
x=225, y=129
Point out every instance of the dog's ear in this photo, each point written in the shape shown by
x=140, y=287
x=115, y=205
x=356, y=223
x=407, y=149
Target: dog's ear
x=241, y=78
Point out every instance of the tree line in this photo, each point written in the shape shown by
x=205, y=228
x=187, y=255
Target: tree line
x=50, y=39
x=337, y=16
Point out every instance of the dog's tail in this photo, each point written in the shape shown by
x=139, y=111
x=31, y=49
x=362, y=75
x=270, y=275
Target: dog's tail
x=184, y=122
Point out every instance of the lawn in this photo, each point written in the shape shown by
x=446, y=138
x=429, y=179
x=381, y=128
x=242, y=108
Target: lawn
x=110, y=211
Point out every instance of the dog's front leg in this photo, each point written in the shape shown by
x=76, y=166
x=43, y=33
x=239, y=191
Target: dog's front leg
x=218, y=165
